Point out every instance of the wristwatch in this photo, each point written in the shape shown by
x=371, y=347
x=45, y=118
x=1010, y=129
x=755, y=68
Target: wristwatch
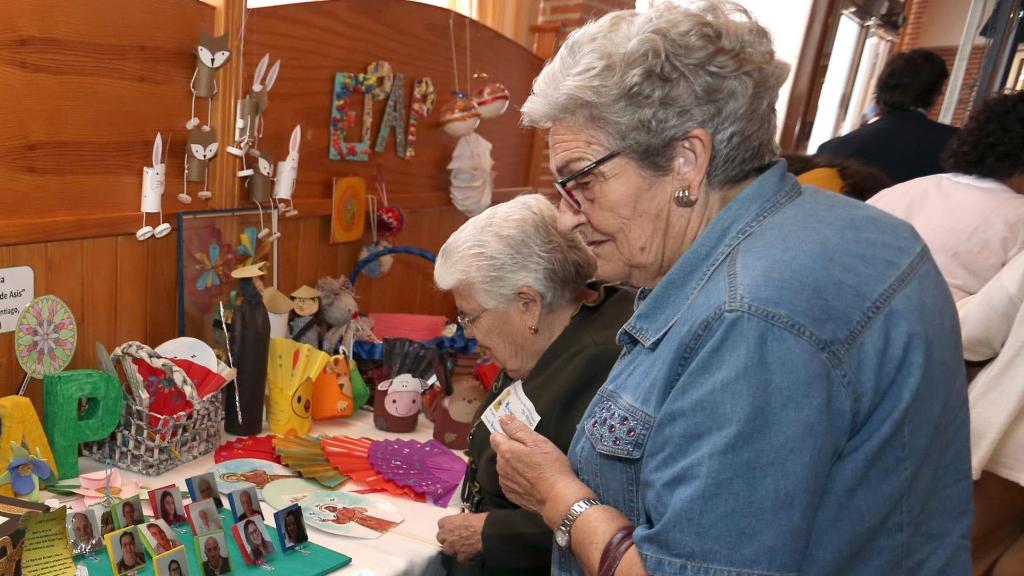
x=578, y=508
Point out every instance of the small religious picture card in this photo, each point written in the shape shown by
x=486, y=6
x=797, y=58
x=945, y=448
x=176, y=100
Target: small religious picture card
x=158, y=537
x=173, y=563
x=125, y=550
x=202, y=487
x=245, y=503
x=106, y=515
x=203, y=517
x=167, y=506
x=84, y=531
x=253, y=540
x=291, y=530
x=128, y=512
x=212, y=553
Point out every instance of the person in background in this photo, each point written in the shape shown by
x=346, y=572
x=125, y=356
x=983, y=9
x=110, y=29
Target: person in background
x=903, y=143
x=843, y=176
x=992, y=325
x=972, y=219
x=522, y=286
x=790, y=396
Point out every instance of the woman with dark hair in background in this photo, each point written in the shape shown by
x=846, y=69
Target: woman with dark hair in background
x=903, y=143
x=973, y=218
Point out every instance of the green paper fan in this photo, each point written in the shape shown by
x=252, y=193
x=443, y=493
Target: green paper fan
x=45, y=336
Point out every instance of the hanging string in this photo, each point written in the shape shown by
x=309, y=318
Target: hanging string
x=469, y=88
x=107, y=499
x=451, y=34
x=382, y=188
x=371, y=205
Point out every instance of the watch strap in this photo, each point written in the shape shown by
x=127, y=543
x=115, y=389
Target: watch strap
x=575, y=511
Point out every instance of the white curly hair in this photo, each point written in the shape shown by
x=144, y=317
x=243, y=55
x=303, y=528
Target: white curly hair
x=642, y=80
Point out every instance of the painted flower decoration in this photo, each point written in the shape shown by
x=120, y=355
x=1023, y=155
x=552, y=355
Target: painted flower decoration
x=45, y=336
x=94, y=487
x=250, y=248
x=24, y=472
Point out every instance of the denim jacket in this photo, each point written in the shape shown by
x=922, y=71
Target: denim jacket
x=790, y=399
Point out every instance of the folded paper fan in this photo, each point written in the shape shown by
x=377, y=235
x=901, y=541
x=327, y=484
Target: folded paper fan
x=306, y=456
x=205, y=380
x=350, y=457
x=429, y=468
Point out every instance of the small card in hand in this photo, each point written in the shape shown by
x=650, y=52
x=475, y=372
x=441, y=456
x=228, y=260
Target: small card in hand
x=511, y=402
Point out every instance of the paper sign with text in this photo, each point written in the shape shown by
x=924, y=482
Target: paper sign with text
x=16, y=291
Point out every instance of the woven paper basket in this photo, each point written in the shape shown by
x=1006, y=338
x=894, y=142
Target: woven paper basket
x=151, y=443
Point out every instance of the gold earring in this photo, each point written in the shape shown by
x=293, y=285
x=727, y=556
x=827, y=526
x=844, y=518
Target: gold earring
x=683, y=199
x=533, y=330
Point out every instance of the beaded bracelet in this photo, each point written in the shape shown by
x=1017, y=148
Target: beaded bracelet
x=614, y=550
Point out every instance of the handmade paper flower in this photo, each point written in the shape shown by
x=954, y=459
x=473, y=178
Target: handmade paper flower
x=93, y=487
x=24, y=472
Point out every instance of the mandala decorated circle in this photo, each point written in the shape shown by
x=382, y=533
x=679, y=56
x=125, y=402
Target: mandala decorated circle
x=45, y=336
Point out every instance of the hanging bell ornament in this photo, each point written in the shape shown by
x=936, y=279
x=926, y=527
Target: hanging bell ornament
x=459, y=117
x=491, y=100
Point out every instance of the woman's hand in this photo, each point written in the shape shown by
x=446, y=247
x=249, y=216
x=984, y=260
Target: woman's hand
x=460, y=535
x=534, y=473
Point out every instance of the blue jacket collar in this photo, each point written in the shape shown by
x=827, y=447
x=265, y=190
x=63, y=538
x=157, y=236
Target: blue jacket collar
x=658, y=309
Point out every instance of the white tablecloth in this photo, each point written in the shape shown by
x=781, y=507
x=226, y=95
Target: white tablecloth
x=409, y=549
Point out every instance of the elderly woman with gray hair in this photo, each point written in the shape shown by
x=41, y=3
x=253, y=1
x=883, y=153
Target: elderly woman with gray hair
x=790, y=398
x=522, y=288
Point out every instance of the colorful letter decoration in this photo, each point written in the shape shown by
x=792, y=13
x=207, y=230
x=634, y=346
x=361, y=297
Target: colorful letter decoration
x=423, y=97
x=21, y=425
x=342, y=117
x=394, y=117
x=64, y=424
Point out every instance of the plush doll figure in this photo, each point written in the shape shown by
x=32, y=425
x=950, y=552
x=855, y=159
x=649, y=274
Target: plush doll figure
x=337, y=308
x=304, y=327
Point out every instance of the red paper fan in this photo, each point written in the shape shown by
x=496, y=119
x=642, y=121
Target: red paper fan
x=165, y=399
x=205, y=380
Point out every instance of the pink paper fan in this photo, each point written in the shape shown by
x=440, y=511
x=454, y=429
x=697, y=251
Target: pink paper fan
x=429, y=468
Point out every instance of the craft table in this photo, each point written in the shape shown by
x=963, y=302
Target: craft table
x=410, y=549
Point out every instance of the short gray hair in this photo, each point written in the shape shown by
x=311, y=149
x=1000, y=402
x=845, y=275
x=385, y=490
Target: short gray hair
x=512, y=245
x=644, y=80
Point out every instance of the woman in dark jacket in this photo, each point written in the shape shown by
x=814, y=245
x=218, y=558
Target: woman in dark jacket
x=521, y=286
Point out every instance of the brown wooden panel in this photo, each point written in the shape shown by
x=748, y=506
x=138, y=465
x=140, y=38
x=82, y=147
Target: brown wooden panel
x=100, y=295
x=132, y=293
x=316, y=40
x=87, y=84
x=162, y=288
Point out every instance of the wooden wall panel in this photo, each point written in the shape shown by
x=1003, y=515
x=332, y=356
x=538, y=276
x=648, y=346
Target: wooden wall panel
x=85, y=93
x=87, y=85
x=316, y=40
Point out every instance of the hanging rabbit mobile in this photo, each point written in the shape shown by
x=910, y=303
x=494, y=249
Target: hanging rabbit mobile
x=211, y=54
x=248, y=129
x=287, y=171
x=154, y=179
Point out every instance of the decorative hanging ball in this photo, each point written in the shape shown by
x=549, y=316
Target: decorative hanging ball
x=390, y=221
x=380, y=266
x=459, y=116
x=491, y=100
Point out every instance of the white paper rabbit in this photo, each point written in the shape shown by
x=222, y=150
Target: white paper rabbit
x=249, y=112
x=287, y=171
x=154, y=179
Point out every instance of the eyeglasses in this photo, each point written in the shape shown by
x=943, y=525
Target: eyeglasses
x=467, y=321
x=563, y=185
